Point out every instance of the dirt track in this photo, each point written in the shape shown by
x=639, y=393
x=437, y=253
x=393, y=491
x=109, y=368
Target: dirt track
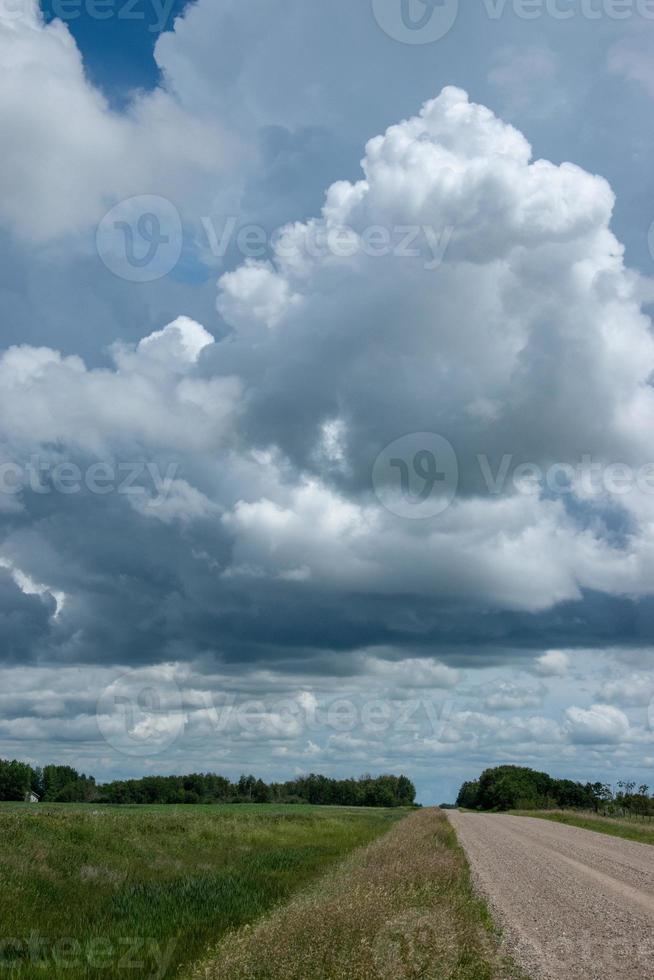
x=572, y=903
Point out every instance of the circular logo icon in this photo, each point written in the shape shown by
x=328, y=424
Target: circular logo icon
x=416, y=21
x=417, y=476
x=140, y=239
x=15, y=9
x=141, y=716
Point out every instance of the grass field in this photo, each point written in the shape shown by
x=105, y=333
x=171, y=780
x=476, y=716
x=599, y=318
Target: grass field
x=402, y=908
x=628, y=829
x=99, y=891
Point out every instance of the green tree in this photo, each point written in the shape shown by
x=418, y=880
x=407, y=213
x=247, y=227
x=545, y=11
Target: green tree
x=16, y=779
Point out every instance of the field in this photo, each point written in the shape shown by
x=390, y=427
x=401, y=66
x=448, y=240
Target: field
x=140, y=891
x=234, y=892
x=402, y=908
x=615, y=827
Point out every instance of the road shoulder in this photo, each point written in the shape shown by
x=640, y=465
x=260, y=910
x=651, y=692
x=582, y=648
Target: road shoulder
x=403, y=907
x=570, y=903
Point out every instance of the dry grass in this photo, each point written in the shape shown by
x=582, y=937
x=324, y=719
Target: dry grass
x=402, y=907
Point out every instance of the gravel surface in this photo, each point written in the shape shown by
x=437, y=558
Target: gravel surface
x=572, y=903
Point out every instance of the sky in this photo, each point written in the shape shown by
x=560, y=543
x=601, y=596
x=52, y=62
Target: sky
x=325, y=387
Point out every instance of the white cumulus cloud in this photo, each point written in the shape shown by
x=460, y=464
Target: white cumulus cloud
x=598, y=725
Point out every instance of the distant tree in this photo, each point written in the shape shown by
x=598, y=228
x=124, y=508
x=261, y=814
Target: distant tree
x=63, y=784
x=80, y=790
x=518, y=787
x=405, y=791
x=246, y=786
x=469, y=795
x=54, y=779
x=260, y=792
x=16, y=779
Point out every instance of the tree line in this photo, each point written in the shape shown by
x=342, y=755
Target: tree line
x=63, y=784
x=521, y=788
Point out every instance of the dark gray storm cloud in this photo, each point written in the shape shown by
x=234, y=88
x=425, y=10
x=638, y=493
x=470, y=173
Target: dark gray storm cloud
x=384, y=418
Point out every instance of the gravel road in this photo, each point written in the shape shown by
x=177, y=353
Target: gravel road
x=572, y=903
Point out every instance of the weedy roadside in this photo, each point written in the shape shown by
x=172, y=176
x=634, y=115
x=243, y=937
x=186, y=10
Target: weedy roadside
x=402, y=907
x=626, y=828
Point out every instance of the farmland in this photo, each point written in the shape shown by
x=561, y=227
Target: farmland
x=403, y=907
x=140, y=891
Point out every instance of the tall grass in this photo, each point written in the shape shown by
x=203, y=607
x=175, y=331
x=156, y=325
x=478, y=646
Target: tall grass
x=613, y=826
x=139, y=891
x=401, y=908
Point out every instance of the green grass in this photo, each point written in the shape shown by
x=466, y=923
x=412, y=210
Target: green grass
x=403, y=907
x=614, y=827
x=139, y=891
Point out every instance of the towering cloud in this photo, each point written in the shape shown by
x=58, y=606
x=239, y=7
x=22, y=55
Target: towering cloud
x=222, y=502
